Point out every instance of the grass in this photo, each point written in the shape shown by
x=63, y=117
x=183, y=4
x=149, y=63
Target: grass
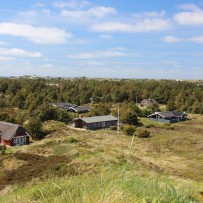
x=112, y=186
x=103, y=166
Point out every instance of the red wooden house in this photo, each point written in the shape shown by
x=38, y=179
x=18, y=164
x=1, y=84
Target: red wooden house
x=13, y=134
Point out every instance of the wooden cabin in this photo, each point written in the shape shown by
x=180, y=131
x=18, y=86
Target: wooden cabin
x=96, y=122
x=168, y=117
x=148, y=102
x=13, y=134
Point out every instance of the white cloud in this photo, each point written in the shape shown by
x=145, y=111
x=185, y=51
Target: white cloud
x=146, y=25
x=47, y=65
x=91, y=63
x=192, y=15
x=19, y=52
x=28, y=14
x=41, y=35
x=98, y=12
x=192, y=7
x=38, y=5
x=6, y=58
x=3, y=43
x=97, y=55
x=71, y=4
x=197, y=39
x=153, y=14
x=106, y=37
x=174, y=64
x=101, y=11
x=171, y=39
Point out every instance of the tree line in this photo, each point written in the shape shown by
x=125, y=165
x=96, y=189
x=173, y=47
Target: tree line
x=29, y=94
x=35, y=96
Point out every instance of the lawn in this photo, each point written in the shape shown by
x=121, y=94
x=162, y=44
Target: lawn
x=108, y=165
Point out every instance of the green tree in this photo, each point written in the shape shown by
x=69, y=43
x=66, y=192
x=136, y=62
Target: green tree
x=100, y=110
x=35, y=128
x=63, y=116
x=128, y=129
x=2, y=149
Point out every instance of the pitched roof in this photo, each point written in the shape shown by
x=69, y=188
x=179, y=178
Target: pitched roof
x=81, y=108
x=7, y=130
x=148, y=102
x=169, y=114
x=64, y=105
x=96, y=119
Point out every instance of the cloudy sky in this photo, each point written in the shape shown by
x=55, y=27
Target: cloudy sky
x=108, y=38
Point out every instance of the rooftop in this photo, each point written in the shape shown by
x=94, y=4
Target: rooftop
x=96, y=119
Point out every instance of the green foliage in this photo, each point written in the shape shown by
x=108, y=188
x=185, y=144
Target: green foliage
x=115, y=186
x=129, y=112
x=3, y=102
x=31, y=94
x=143, y=133
x=2, y=149
x=128, y=129
x=146, y=112
x=71, y=139
x=100, y=110
x=47, y=112
x=63, y=116
x=113, y=128
x=7, y=118
x=35, y=128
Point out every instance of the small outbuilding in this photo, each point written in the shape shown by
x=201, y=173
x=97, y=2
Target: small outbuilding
x=96, y=122
x=64, y=106
x=168, y=117
x=13, y=134
x=80, y=109
x=148, y=102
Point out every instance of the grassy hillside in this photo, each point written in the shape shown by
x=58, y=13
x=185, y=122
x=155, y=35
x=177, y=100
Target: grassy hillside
x=103, y=166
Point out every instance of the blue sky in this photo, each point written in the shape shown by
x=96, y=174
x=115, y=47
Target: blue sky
x=108, y=38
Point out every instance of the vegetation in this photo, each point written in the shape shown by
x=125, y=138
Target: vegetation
x=30, y=94
x=128, y=129
x=143, y=133
x=2, y=149
x=105, y=165
x=35, y=128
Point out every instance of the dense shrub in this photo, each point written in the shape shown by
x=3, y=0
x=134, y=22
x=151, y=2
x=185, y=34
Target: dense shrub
x=113, y=127
x=143, y=133
x=2, y=149
x=128, y=129
x=35, y=128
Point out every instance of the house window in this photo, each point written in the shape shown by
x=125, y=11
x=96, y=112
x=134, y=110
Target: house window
x=19, y=140
x=103, y=124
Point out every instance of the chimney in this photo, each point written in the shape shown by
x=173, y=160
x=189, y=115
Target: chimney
x=80, y=115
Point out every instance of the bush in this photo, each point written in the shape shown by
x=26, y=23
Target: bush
x=35, y=128
x=113, y=127
x=128, y=129
x=2, y=149
x=143, y=133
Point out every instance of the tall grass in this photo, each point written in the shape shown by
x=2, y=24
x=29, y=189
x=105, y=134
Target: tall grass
x=111, y=187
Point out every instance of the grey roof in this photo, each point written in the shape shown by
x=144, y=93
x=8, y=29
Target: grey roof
x=148, y=102
x=7, y=130
x=81, y=108
x=64, y=105
x=169, y=114
x=96, y=119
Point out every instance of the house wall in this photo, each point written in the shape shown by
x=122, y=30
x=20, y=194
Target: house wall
x=6, y=142
x=11, y=142
x=167, y=121
x=80, y=124
x=94, y=126
x=101, y=125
